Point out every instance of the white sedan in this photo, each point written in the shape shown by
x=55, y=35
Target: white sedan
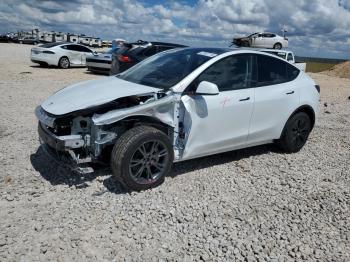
x=262, y=40
x=178, y=105
x=60, y=54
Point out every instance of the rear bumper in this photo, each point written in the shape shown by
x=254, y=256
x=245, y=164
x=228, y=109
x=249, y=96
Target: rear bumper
x=44, y=58
x=98, y=65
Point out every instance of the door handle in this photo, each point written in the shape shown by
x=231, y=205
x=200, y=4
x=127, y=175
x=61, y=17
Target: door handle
x=244, y=99
x=289, y=93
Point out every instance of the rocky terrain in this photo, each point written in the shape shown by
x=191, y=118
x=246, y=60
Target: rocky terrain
x=339, y=70
x=256, y=204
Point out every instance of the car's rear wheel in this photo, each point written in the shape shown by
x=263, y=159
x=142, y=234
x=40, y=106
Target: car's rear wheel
x=141, y=158
x=64, y=62
x=277, y=46
x=295, y=133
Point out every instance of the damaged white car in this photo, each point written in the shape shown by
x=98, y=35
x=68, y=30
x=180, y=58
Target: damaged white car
x=178, y=105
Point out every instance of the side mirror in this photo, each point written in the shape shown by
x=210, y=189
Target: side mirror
x=207, y=88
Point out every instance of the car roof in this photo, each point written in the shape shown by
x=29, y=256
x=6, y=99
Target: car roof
x=274, y=50
x=167, y=44
x=55, y=44
x=142, y=42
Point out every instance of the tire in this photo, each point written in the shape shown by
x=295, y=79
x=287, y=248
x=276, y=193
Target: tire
x=64, y=62
x=141, y=158
x=277, y=46
x=295, y=133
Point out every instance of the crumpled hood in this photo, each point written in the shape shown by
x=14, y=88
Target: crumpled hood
x=92, y=93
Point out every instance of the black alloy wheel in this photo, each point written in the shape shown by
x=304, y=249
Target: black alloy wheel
x=296, y=133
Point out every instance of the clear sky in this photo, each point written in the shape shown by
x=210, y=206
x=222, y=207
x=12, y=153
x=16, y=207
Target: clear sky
x=318, y=28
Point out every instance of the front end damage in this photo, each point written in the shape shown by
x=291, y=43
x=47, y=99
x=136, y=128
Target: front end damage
x=87, y=136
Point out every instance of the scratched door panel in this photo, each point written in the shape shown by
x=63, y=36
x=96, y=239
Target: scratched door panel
x=219, y=123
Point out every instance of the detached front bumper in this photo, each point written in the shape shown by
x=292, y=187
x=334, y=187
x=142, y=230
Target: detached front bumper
x=60, y=143
x=60, y=148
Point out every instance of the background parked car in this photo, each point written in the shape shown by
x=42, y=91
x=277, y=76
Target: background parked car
x=62, y=54
x=132, y=53
x=262, y=40
x=101, y=62
x=28, y=40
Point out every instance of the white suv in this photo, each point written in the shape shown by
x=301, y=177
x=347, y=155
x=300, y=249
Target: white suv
x=178, y=105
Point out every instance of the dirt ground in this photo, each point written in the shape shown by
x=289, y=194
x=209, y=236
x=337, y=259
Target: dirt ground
x=256, y=204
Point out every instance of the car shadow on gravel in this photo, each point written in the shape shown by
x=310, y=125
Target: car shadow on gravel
x=56, y=174
x=219, y=159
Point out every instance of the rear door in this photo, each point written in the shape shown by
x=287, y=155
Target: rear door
x=218, y=123
x=276, y=97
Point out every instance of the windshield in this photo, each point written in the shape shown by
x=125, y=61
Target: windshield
x=252, y=34
x=166, y=69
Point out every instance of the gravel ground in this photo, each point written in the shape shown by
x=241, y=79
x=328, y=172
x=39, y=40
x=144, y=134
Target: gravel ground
x=256, y=204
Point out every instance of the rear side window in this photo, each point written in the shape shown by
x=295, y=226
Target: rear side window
x=268, y=35
x=78, y=48
x=272, y=71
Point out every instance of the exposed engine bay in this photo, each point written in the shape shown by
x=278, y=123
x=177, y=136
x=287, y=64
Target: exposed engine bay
x=84, y=135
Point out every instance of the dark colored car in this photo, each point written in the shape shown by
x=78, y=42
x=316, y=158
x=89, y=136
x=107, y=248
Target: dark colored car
x=132, y=53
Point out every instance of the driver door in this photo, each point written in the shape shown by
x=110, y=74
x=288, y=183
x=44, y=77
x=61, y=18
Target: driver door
x=258, y=41
x=74, y=54
x=219, y=123
x=84, y=52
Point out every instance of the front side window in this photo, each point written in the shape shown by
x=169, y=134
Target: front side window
x=230, y=73
x=290, y=57
x=272, y=71
x=71, y=47
x=83, y=49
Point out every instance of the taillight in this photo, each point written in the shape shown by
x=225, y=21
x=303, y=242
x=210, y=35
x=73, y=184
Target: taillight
x=48, y=52
x=318, y=88
x=124, y=58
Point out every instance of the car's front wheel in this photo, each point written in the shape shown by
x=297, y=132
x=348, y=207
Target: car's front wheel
x=64, y=62
x=141, y=158
x=295, y=133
